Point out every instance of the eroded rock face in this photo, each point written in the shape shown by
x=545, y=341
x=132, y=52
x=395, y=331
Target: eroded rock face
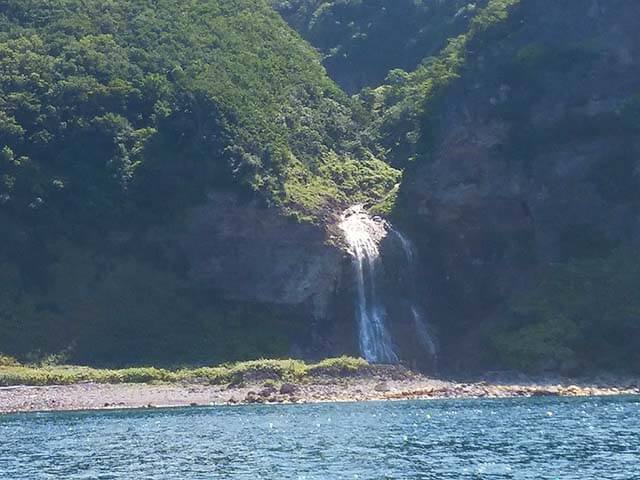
x=254, y=253
x=249, y=253
x=532, y=161
x=243, y=252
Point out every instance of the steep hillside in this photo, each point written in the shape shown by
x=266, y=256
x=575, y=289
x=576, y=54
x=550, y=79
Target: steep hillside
x=362, y=41
x=522, y=186
x=172, y=174
x=117, y=120
x=150, y=85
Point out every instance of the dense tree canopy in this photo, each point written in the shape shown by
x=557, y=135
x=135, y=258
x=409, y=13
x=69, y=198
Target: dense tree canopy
x=105, y=105
x=361, y=41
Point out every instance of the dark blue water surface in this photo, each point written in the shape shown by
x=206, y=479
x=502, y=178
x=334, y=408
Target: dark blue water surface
x=580, y=439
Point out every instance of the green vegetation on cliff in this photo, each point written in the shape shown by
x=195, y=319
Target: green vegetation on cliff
x=409, y=98
x=113, y=109
x=127, y=308
x=115, y=118
x=579, y=316
x=118, y=117
x=495, y=106
x=361, y=41
x=506, y=64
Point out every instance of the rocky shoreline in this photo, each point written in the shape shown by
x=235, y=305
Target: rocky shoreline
x=372, y=387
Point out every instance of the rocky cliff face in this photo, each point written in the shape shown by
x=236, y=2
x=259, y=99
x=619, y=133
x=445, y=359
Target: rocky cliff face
x=532, y=160
x=535, y=159
x=243, y=252
x=529, y=160
x=246, y=252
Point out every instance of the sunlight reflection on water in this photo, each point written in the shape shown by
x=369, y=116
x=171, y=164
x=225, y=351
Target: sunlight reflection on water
x=582, y=439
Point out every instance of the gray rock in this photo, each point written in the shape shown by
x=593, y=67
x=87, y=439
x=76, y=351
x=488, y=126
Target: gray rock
x=490, y=206
x=266, y=392
x=251, y=253
x=382, y=387
x=288, y=389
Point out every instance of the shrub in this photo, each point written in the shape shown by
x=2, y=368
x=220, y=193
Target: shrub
x=7, y=361
x=339, y=366
x=268, y=370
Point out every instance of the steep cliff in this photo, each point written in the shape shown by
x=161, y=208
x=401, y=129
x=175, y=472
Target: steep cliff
x=524, y=190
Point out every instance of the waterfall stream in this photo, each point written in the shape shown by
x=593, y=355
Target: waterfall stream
x=425, y=338
x=364, y=235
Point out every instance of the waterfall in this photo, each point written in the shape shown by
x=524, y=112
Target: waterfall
x=420, y=324
x=363, y=235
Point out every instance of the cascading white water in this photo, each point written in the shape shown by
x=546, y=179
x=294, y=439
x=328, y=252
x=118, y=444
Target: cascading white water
x=363, y=235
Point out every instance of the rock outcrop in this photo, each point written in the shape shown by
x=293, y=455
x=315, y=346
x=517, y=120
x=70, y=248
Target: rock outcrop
x=253, y=253
x=535, y=159
x=246, y=252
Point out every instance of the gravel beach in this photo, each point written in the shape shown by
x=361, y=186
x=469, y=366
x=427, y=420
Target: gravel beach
x=382, y=386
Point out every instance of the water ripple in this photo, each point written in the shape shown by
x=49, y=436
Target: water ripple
x=475, y=439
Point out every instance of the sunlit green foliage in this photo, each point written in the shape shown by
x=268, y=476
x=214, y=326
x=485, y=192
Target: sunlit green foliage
x=283, y=370
x=7, y=361
x=115, y=117
x=109, y=107
x=338, y=366
x=386, y=206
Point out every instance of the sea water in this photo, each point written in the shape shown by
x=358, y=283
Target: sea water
x=590, y=438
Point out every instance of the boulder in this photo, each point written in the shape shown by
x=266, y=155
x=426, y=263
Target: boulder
x=288, y=389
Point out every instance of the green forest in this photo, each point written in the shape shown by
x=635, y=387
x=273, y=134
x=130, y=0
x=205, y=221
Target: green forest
x=116, y=117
